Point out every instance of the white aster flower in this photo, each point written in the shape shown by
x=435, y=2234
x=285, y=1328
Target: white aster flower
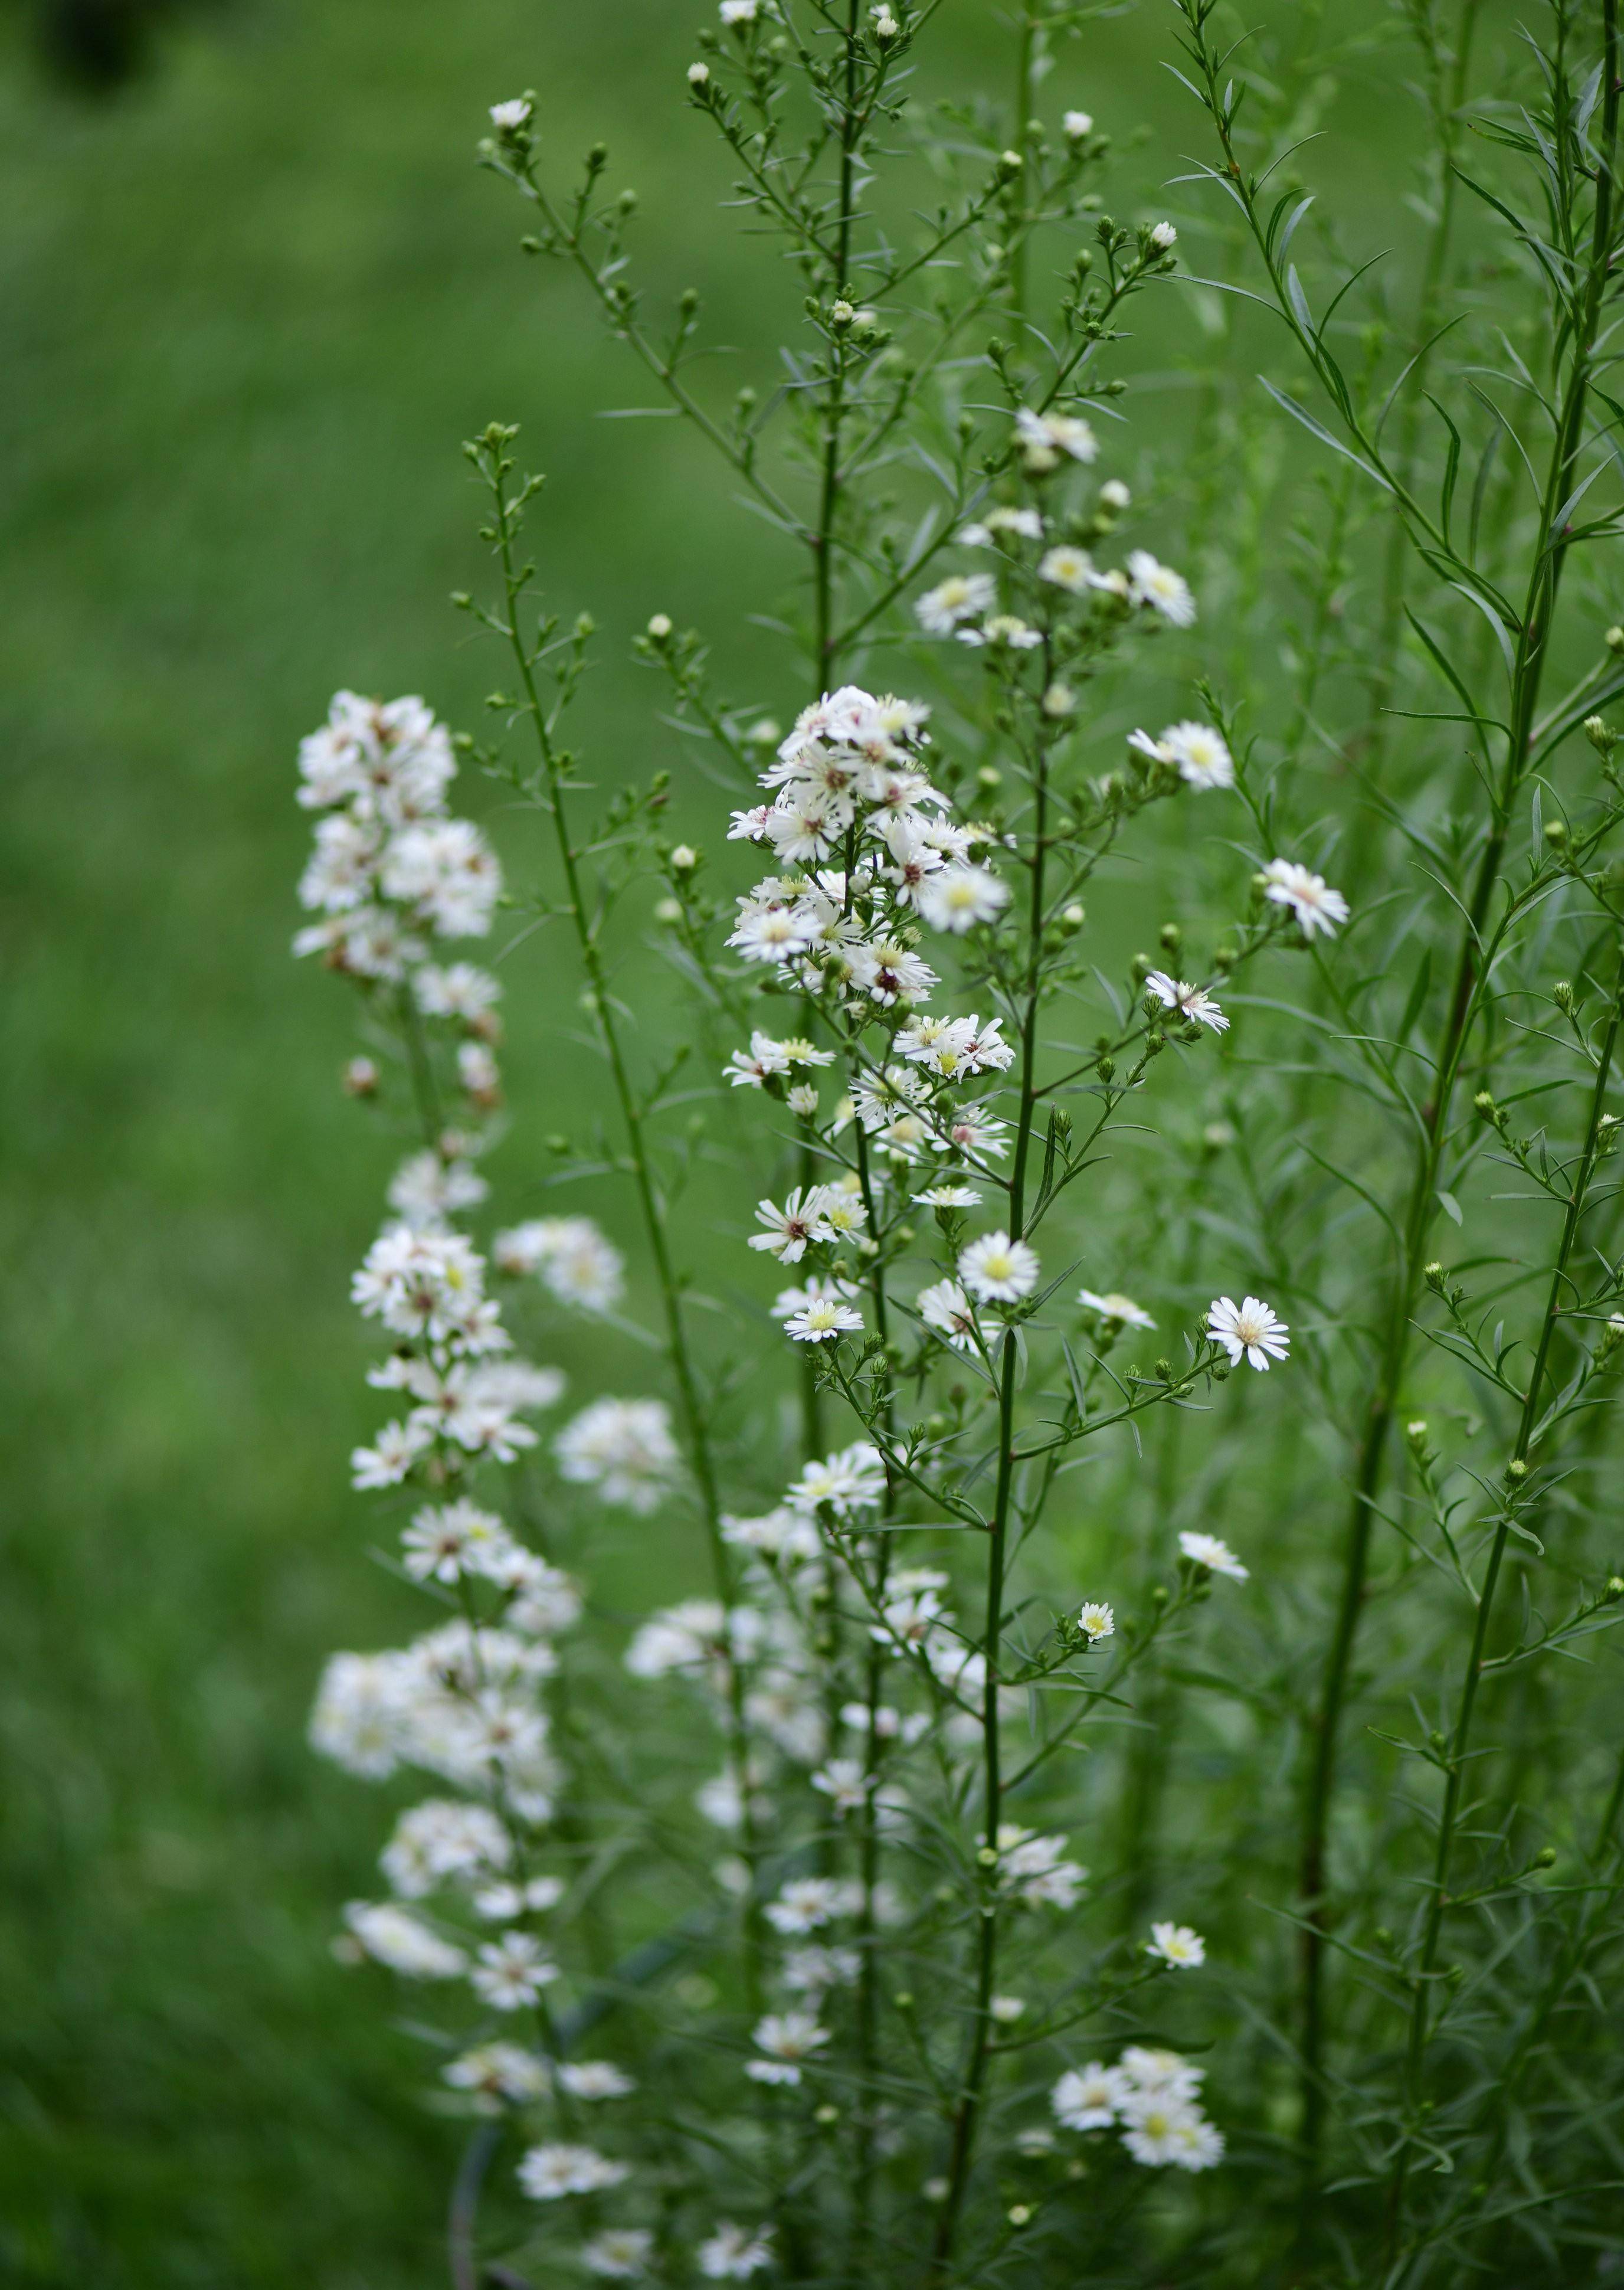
x=687, y=1637
x=1249, y=1329
x=1023, y=523
x=1096, y=1621
x=1207, y=1551
x=957, y=897
x=1203, y=758
x=594, y=2080
x=1077, y=125
x=620, y=2254
x=822, y=1321
x=997, y=1270
x=948, y=1196
x=494, y=2073
x=1191, y=1002
x=549, y=2172
x=733, y=2253
x=790, y=1229
x=440, y=1543
x=807, y=1903
x=1157, y=2130
x=1164, y=236
x=1318, y=909
x=1069, y=568
x=962, y=596
x=1004, y=628
x=812, y=1970
x=844, y=1782
x=512, y=1971
x=1033, y=1868
x=446, y=871
x=1178, y=1945
x=1160, y=588
x=624, y=1449
x=502, y=1904
x=787, y=2037
x=738, y=11
x=511, y=115
x=441, y=1840
x=1087, y=2099
x=1046, y=436
x=1114, y=1306
x=850, y=1481
x=944, y=1307
x=401, y=1943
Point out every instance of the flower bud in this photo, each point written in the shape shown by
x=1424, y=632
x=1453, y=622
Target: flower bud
x=683, y=859
x=698, y=76
x=659, y=628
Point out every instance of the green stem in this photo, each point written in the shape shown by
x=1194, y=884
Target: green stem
x=678, y=1347
x=1449, y=94
x=967, y=2115
x=1459, y=1742
x=1544, y=581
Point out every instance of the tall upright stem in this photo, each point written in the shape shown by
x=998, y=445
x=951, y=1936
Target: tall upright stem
x=1544, y=583
x=967, y=2115
x=1025, y=58
x=678, y=1348
x=1449, y=94
x=1460, y=1735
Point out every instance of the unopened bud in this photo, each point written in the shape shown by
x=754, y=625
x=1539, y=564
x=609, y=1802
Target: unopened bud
x=1545, y=1857
x=684, y=858
x=659, y=628
x=361, y=1078
x=1060, y=700
x=1614, y=639
x=699, y=75
x=1517, y=1469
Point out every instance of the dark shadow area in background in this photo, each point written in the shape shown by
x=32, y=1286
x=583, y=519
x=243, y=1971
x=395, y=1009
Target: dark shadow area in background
x=95, y=47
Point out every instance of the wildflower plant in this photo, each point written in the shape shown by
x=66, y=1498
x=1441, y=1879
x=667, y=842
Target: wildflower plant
x=829, y=1923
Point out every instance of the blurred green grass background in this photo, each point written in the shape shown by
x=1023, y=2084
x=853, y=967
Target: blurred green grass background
x=253, y=303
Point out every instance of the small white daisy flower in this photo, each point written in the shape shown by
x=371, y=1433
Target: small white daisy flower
x=1318, y=909
x=1160, y=588
x=1177, y=1945
x=1192, y=1002
x=1207, y=1551
x=1249, y=1328
x=1112, y=1306
x=997, y=1270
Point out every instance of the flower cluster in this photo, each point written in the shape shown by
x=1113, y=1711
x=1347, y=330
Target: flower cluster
x=1153, y=2098
x=391, y=870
